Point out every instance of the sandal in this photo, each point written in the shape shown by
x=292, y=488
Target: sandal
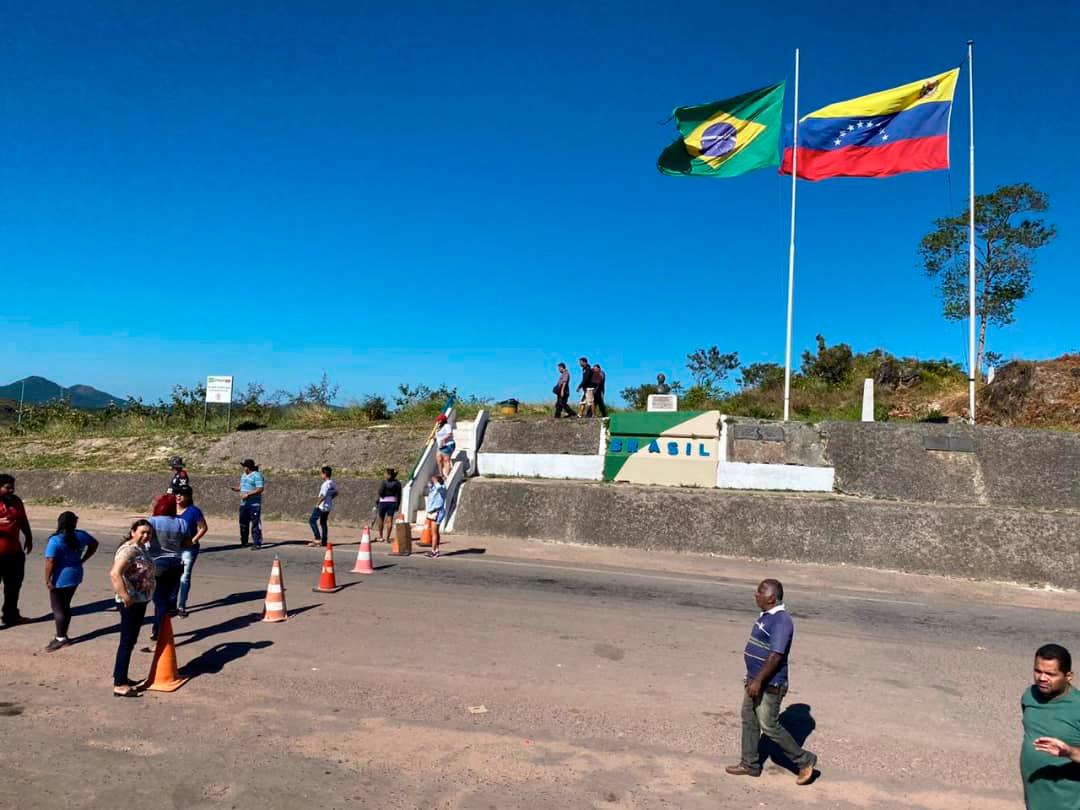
x=313, y=544
x=125, y=691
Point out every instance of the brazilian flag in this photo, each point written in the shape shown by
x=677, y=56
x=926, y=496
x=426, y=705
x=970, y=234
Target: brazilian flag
x=726, y=138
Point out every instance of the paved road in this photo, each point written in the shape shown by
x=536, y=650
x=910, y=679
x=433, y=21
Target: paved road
x=608, y=679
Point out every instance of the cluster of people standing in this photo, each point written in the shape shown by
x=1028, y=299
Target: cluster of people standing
x=591, y=386
x=154, y=563
x=156, y=560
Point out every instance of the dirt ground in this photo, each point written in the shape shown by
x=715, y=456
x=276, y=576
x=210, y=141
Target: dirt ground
x=515, y=674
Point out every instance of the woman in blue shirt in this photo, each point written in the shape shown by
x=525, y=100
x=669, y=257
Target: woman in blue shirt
x=65, y=554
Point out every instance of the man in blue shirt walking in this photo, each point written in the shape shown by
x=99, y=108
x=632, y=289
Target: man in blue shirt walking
x=251, y=490
x=766, y=657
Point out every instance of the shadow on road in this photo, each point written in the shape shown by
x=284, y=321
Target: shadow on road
x=239, y=547
x=215, y=549
x=280, y=543
x=341, y=586
x=227, y=626
x=800, y=723
x=464, y=551
x=231, y=599
x=92, y=607
x=212, y=661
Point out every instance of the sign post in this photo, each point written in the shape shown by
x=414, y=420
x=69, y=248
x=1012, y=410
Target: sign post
x=219, y=389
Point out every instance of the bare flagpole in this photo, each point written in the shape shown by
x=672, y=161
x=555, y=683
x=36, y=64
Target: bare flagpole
x=972, y=368
x=791, y=250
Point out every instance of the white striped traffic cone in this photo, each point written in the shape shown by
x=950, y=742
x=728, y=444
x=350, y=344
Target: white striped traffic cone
x=363, y=556
x=275, y=610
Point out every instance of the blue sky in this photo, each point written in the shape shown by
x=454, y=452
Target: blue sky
x=467, y=193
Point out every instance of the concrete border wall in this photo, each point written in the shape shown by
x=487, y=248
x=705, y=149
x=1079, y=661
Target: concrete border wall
x=1000, y=543
x=956, y=464
x=577, y=437
x=286, y=496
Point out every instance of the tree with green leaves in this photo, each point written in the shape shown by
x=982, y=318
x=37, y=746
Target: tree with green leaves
x=637, y=397
x=832, y=364
x=1006, y=238
x=710, y=368
x=763, y=376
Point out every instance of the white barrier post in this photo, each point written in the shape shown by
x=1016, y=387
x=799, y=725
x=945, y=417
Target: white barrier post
x=868, y=400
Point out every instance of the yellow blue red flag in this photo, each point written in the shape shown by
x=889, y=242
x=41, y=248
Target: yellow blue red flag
x=905, y=129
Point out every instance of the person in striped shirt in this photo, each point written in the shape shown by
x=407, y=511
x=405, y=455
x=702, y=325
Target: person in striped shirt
x=766, y=657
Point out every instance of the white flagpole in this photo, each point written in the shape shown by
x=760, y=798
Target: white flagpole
x=791, y=251
x=972, y=368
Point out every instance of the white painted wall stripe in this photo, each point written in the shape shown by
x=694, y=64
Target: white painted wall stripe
x=741, y=475
x=541, y=465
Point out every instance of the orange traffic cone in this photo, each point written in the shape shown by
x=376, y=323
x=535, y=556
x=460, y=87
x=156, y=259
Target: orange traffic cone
x=327, y=581
x=425, y=535
x=275, y=610
x=164, y=675
x=363, y=556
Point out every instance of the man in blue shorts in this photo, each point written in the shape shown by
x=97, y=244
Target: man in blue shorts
x=445, y=444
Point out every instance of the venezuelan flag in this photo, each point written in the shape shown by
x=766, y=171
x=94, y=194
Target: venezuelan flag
x=905, y=129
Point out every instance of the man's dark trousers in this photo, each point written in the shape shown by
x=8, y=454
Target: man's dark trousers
x=598, y=402
x=12, y=572
x=251, y=520
x=761, y=717
x=562, y=403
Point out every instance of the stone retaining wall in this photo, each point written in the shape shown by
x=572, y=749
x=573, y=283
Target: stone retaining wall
x=574, y=436
x=956, y=464
x=286, y=496
x=998, y=543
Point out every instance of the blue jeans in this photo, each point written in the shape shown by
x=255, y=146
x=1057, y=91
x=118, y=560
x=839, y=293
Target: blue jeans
x=251, y=519
x=188, y=557
x=318, y=519
x=761, y=717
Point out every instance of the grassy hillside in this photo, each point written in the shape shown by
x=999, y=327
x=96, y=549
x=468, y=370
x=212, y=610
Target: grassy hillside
x=828, y=386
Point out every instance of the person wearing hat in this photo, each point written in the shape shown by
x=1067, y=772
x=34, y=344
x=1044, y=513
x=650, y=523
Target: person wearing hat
x=444, y=442
x=180, y=476
x=251, y=490
x=387, y=504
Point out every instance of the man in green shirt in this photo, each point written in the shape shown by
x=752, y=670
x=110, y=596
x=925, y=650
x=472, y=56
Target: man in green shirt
x=1050, y=757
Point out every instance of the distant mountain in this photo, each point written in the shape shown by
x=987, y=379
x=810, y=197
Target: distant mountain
x=40, y=390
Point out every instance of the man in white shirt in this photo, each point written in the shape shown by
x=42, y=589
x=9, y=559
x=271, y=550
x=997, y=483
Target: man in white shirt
x=320, y=515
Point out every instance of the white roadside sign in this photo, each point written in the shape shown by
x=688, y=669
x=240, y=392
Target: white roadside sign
x=219, y=389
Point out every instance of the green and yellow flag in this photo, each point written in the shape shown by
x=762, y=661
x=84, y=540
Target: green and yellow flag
x=726, y=138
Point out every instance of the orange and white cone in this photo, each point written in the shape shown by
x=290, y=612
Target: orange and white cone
x=275, y=610
x=164, y=674
x=363, y=555
x=425, y=535
x=327, y=580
